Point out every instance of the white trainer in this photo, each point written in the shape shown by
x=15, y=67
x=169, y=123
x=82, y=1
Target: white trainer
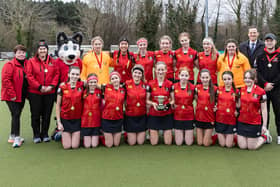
x=11, y=138
x=269, y=137
x=17, y=142
x=278, y=140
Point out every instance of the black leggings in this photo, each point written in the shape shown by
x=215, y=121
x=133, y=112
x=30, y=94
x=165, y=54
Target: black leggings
x=41, y=110
x=274, y=97
x=15, y=110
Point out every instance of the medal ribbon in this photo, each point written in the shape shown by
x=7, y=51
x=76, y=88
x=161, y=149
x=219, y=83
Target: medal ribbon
x=71, y=91
x=230, y=64
x=99, y=62
x=270, y=59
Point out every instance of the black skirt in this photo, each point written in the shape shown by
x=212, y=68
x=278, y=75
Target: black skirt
x=112, y=126
x=248, y=130
x=71, y=125
x=224, y=128
x=135, y=123
x=204, y=125
x=184, y=125
x=94, y=131
x=160, y=122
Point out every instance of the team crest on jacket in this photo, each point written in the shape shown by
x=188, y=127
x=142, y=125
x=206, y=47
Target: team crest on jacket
x=275, y=60
x=191, y=56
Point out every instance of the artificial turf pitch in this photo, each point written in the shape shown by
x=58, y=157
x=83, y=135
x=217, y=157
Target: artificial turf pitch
x=47, y=164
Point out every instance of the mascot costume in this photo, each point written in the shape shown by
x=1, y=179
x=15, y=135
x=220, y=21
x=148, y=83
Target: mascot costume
x=68, y=53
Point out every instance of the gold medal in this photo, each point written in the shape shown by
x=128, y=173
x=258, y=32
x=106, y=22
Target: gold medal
x=72, y=108
x=183, y=107
x=269, y=65
x=206, y=108
x=46, y=70
x=90, y=114
x=117, y=108
x=228, y=110
x=138, y=104
x=100, y=71
x=123, y=72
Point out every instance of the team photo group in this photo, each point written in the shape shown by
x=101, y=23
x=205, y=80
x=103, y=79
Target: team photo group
x=146, y=96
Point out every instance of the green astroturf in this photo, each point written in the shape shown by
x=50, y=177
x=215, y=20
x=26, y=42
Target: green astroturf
x=47, y=164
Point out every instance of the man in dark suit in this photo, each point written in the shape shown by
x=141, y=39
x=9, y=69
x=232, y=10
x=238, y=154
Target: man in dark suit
x=252, y=47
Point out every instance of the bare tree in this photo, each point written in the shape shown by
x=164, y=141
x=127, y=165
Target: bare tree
x=236, y=7
x=217, y=21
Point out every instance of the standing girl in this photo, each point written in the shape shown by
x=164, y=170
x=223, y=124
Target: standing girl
x=166, y=55
x=234, y=61
x=226, y=112
x=43, y=75
x=185, y=56
x=160, y=96
x=91, y=116
x=123, y=60
x=112, y=115
x=252, y=120
x=69, y=109
x=145, y=58
x=184, y=112
x=135, y=109
x=205, y=115
x=208, y=59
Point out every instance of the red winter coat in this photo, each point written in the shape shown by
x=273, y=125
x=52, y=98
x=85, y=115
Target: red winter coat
x=40, y=74
x=12, y=80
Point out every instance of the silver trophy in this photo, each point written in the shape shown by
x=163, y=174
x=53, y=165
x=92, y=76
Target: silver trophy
x=160, y=99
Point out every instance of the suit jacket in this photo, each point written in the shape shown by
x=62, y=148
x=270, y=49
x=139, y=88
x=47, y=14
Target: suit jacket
x=245, y=49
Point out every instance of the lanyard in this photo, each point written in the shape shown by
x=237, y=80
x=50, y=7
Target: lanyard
x=270, y=59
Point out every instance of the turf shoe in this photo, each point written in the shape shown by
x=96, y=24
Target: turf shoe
x=18, y=142
x=268, y=137
x=11, y=138
x=37, y=140
x=278, y=140
x=46, y=139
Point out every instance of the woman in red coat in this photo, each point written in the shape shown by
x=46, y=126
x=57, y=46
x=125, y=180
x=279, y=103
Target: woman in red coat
x=135, y=108
x=160, y=97
x=91, y=116
x=112, y=114
x=184, y=112
x=69, y=109
x=252, y=121
x=123, y=60
x=14, y=91
x=166, y=55
x=208, y=59
x=145, y=58
x=43, y=76
x=204, y=112
x=226, y=113
x=185, y=56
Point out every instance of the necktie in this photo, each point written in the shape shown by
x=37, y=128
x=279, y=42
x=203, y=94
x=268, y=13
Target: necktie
x=252, y=47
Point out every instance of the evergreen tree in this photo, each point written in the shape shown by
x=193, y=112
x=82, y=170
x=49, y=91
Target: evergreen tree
x=148, y=20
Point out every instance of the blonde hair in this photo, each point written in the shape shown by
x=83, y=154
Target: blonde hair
x=214, y=50
x=97, y=38
x=166, y=37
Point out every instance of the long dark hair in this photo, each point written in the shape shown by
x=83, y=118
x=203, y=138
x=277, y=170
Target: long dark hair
x=127, y=53
x=226, y=51
x=211, y=85
x=70, y=69
x=231, y=74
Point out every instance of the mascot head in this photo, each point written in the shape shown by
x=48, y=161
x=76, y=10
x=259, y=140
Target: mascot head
x=69, y=48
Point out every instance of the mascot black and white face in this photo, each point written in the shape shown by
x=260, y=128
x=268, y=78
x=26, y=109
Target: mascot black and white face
x=69, y=48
